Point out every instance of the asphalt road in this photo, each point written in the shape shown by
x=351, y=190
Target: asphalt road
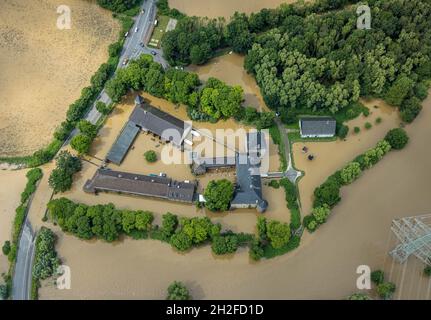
x=22, y=276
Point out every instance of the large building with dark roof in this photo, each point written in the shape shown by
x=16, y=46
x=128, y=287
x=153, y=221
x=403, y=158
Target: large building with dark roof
x=141, y=185
x=317, y=127
x=124, y=141
x=160, y=123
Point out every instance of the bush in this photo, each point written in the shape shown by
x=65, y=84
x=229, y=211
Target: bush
x=46, y=261
x=87, y=128
x=169, y=225
x=274, y=184
x=427, y=271
x=178, y=291
x=368, y=125
x=103, y=108
x=150, y=156
x=4, y=294
x=328, y=193
x=366, y=112
x=386, y=290
x=181, y=241
x=379, y=120
x=410, y=109
x=356, y=130
x=6, y=247
x=358, y=296
x=397, y=138
x=343, y=131
x=256, y=250
x=320, y=214
x=377, y=277
x=224, y=244
x=310, y=223
x=12, y=253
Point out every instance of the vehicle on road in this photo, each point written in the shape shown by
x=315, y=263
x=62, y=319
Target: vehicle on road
x=156, y=22
x=141, y=44
x=126, y=35
x=153, y=53
x=136, y=29
x=126, y=61
x=143, y=11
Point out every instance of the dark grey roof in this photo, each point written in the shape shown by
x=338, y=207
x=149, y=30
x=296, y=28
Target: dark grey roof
x=314, y=126
x=249, y=184
x=142, y=185
x=160, y=123
x=122, y=144
x=139, y=100
x=256, y=143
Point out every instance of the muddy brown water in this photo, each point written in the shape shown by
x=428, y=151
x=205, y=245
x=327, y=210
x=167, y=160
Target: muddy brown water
x=223, y=8
x=43, y=68
x=12, y=183
x=324, y=267
x=230, y=69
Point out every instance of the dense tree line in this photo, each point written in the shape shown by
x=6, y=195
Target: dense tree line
x=324, y=63
x=118, y=6
x=213, y=101
x=108, y=223
x=46, y=261
x=327, y=195
x=196, y=40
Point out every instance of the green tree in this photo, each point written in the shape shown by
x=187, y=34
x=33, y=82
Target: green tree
x=351, y=172
x=4, y=294
x=397, y=138
x=61, y=177
x=224, y=244
x=6, y=248
x=321, y=213
x=150, y=156
x=359, y=296
x=399, y=90
x=81, y=143
x=328, y=193
x=218, y=195
x=103, y=108
x=143, y=220
x=278, y=233
x=427, y=271
x=87, y=128
x=178, y=291
x=169, y=225
x=181, y=241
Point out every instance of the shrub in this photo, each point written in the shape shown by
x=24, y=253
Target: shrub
x=12, y=253
x=397, y=138
x=224, y=244
x=379, y=120
x=358, y=296
x=343, y=131
x=377, y=277
x=169, y=225
x=310, y=223
x=256, y=250
x=87, y=128
x=366, y=112
x=368, y=125
x=150, y=156
x=103, y=108
x=328, y=193
x=46, y=260
x=386, y=290
x=274, y=184
x=4, y=294
x=410, y=109
x=427, y=271
x=6, y=247
x=178, y=291
x=356, y=130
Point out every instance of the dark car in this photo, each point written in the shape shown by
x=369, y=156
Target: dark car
x=153, y=53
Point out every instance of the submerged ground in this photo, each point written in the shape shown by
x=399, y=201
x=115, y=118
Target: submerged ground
x=43, y=69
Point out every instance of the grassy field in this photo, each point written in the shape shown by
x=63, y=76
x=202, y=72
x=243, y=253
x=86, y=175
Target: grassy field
x=159, y=31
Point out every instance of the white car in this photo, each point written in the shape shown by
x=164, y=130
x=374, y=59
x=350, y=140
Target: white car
x=136, y=29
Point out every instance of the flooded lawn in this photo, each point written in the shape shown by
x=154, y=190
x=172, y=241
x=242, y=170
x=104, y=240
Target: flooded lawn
x=12, y=183
x=223, y=8
x=230, y=69
x=43, y=68
x=332, y=156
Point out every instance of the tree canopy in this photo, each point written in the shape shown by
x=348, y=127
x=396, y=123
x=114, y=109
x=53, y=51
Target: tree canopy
x=218, y=195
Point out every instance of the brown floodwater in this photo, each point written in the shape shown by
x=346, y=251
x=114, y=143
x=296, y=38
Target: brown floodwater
x=229, y=68
x=324, y=267
x=12, y=183
x=43, y=69
x=332, y=156
x=223, y=8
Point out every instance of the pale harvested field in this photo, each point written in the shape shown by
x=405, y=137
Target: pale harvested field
x=43, y=69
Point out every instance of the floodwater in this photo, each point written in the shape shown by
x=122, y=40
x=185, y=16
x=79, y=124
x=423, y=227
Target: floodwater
x=223, y=8
x=43, y=68
x=229, y=68
x=10, y=198
x=334, y=155
x=324, y=267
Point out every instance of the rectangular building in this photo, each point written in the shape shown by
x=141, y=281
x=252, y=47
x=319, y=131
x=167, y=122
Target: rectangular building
x=317, y=127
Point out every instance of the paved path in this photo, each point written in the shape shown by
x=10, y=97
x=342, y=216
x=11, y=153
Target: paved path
x=22, y=276
x=290, y=173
